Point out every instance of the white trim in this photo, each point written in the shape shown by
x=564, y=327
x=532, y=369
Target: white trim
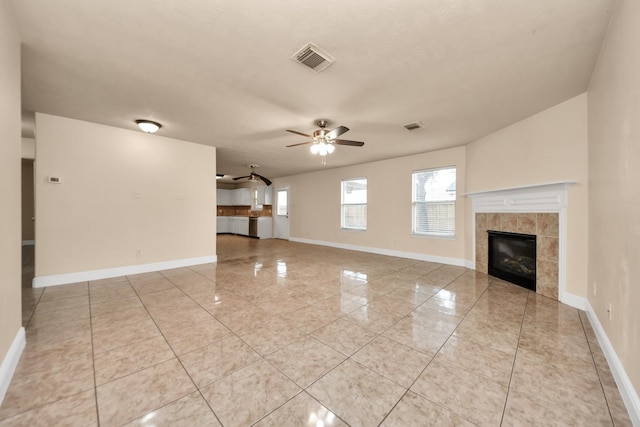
x=10, y=362
x=547, y=186
x=627, y=391
x=575, y=301
x=28, y=242
x=83, y=276
x=380, y=251
x=550, y=197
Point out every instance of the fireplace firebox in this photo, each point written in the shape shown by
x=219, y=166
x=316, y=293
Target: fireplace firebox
x=512, y=257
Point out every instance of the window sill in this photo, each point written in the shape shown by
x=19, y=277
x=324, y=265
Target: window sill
x=433, y=236
x=354, y=230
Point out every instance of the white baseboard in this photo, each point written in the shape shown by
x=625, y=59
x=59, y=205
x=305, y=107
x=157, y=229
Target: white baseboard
x=28, y=242
x=573, y=300
x=10, y=362
x=380, y=251
x=627, y=391
x=83, y=276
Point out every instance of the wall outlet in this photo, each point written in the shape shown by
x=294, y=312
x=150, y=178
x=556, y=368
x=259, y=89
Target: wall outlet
x=137, y=195
x=138, y=252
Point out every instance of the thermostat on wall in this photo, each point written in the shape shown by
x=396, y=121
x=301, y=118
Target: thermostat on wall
x=54, y=179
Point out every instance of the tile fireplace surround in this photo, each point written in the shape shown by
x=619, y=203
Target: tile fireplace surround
x=543, y=225
x=538, y=209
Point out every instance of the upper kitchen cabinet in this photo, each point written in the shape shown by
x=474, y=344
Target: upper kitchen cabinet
x=264, y=195
x=241, y=197
x=224, y=197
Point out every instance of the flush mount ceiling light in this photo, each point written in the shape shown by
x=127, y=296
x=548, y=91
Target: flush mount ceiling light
x=148, y=126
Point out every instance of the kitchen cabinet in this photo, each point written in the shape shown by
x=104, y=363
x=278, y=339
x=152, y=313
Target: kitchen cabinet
x=264, y=195
x=223, y=197
x=265, y=228
x=239, y=225
x=241, y=197
x=268, y=196
x=222, y=224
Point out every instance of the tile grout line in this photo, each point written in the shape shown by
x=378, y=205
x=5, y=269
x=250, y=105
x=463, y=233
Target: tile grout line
x=263, y=358
x=515, y=356
x=434, y=355
x=597, y=370
x=174, y=353
x=349, y=357
x=93, y=356
x=33, y=312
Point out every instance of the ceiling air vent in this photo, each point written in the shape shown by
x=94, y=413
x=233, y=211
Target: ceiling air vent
x=313, y=57
x=413, y=126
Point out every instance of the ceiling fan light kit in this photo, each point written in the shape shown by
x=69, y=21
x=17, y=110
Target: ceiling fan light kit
x=322, y=148
x=324, y=142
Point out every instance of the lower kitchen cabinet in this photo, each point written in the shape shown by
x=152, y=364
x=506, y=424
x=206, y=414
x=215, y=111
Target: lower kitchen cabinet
x=222, y=224
x=240, y=225
x=265, y=227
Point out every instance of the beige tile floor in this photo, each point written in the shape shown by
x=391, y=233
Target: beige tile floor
x=285, y=334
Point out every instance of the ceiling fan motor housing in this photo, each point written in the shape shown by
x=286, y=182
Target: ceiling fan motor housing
x=319, y=134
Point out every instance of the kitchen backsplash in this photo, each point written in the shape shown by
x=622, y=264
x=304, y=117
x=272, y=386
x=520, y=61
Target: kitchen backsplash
x=243, y=211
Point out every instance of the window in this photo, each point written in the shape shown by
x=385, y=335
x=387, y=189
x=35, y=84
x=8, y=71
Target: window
x=354, y=204
x=282, y=208
x=255, y=200
x=434, y=202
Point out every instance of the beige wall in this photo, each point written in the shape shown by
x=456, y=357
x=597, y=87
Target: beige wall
x=315, y=205
x=9, y=180
x=549, y=146
x=91, y=221
x=614, y=194
x=28, y=208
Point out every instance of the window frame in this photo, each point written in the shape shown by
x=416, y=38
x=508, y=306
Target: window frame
x=343, y=204
x=415, y=203
x=278, y=200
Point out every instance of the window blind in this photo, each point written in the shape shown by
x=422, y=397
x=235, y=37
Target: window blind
x=434, y=198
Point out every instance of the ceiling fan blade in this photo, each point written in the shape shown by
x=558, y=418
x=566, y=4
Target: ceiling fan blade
x=299, y=133
x=302, y=143
x=348, y=142
x=266, y=181
x=337, y=132
x=241, y=177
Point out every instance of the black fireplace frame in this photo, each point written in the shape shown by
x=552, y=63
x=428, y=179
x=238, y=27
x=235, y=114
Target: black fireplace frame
x=505, y=275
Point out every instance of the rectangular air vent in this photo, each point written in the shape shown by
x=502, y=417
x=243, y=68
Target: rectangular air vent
x=413, y=126
x=313, y=57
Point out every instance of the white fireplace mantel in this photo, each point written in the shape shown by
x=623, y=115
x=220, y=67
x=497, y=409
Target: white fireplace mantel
x=547, y=197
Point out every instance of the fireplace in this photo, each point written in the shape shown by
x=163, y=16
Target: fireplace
x=535, y=209
x=512, y=257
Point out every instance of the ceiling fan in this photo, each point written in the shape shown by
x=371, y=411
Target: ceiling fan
x=324, y=141
x=254, y=177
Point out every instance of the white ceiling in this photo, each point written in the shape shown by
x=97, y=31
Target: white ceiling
x=219, y=73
